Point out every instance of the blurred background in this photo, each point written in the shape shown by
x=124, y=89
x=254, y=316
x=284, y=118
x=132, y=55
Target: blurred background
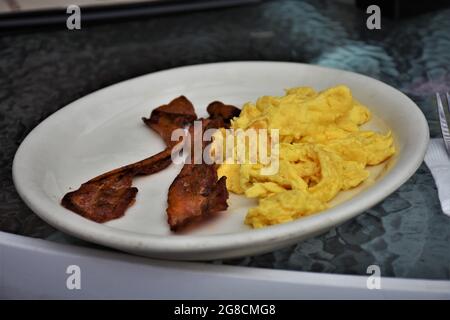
x=44, y=66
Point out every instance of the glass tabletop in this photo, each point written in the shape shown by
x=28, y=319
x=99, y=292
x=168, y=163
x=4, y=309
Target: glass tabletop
x=406, y=235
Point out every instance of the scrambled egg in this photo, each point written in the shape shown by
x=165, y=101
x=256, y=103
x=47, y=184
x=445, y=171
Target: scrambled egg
x=321, y=152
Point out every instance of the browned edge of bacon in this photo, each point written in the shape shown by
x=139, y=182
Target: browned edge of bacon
x=165, y=119
x=225, y=112
x=196, y=192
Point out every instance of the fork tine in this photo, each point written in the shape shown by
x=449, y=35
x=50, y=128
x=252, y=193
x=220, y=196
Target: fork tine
x=443, y=121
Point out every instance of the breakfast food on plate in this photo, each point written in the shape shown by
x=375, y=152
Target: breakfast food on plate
x=322, y=150
x=195, y=193
x=226, y=112
x=178, y=113
x=107, y=196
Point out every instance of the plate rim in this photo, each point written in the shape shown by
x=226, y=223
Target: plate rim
x=171, y=246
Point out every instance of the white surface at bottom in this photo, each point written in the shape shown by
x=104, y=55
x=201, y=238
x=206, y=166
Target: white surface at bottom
x=34, y=268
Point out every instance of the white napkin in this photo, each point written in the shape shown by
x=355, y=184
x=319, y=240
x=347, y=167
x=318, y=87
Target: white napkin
x=438, y=162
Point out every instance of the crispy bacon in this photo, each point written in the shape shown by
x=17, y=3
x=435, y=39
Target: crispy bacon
x=226, y=112
x=196, y=192
x=166, y=118
x=144, y=167
x=107, y=196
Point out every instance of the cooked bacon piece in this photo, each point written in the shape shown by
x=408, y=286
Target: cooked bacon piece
x=226, y=112
x=194, y=194
x=166, y=118
x=107, y=196
x=102, y=200
x=144, y=167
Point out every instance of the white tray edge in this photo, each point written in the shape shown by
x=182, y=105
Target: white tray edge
x=36, y=268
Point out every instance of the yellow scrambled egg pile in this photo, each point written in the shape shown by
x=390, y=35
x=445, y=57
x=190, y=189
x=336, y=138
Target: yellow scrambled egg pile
x=321, y=152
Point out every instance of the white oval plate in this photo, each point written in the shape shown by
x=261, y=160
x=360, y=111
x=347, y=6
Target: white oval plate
x=103, y=131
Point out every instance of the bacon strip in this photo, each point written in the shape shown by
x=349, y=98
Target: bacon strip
x=169, y=117
x=226, y=112
x=107, y=196
x=196, y=192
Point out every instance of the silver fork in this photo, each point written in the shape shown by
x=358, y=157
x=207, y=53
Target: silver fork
x=443, y=120
x=437, y=159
